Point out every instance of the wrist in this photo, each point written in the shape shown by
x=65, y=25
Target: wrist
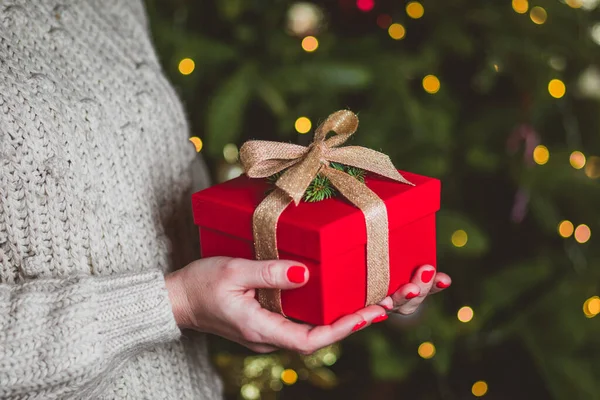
x=179, y=300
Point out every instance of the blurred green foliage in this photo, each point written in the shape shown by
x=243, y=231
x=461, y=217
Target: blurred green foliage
x=526, y=284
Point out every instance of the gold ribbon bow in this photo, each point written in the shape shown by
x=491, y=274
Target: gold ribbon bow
x=261, y=159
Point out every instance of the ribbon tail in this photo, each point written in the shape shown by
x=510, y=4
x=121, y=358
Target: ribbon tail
x=376, y=219
x=367, y=159
x=264, y=228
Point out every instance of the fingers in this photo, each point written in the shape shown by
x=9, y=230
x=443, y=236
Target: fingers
x=272, y=274
x=280, y=332
x=407, y=300
x=441, y=282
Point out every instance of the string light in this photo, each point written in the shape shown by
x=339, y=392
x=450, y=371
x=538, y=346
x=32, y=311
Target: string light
x=384, y=21
x=496, y=67
x=592, y=167
x=541, y=155
x=310, y=44
x=396, y=31
x=459, y=238
x=431, y=84
x=577, y=159
x=365, y=5
x=426, y=350
x=520, y=6
x=565, y=229
x=303, y=125
x=582, y=233
x=289, y=376
x=479, y=388
x=197, y=143
x=538, y=15
x=465, y=314
x=556, y=88
x=186, y=66
x=230, y=153
x=574, y=3
x=591, y=307
x=415, y=10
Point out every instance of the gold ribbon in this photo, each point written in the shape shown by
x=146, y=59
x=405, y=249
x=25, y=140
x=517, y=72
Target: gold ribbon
x=261, y=159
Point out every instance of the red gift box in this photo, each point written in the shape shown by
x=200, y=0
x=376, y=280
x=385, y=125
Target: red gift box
x=328, y=236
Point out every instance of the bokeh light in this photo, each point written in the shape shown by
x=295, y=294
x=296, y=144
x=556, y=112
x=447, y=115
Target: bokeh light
x=459, y=238
x=396, y=31
x=303, y=125
x=520, y=6
x=365, y=5
x=556, y=88
x=465, y=314
x=289, y=376
x=431, y=84
x=592, y=167
x=230, y=153
x=384, y=21
x=541, y=155
x=250, y=392
x=591, y=307
x=538, y=15
x=583, y=233
x=574, y=3
x=426, y=350
x=415, y=10
x=577, y=159
x=565, y=228
x=197, y=143
x=310, y=44
x=479, y=388
x=186, y=66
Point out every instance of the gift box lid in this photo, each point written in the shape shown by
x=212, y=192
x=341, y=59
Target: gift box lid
x=313, y=230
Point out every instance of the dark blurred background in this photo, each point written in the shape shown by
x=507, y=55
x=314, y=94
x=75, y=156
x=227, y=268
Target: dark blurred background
x=499, y=99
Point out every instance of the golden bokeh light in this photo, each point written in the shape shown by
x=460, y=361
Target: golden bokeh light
x=577, y=159
x=426, y=350
x=538, y=15
x=431, y=84
x=592, y=167
x=310, y=44
x=250, y=392
x=197, y=143
x=465, y=314
x=520, y=6
x=541, y=155
x=565, y=229
x=303, y=125
x=289, y=376
x=556, y=88
x=230, y=153
x=582, y=233
x=396, y=31
x=591, y=307
x=459, y=238
x=479, y=388
x=186, y=66
x=415, y=10
x=574, y=3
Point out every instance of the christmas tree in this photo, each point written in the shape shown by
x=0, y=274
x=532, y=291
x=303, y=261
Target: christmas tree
x=498, y=99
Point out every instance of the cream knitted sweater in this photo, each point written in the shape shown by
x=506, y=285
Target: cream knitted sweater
x=95, y=184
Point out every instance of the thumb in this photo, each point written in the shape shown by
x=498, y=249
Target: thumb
x=270, y=274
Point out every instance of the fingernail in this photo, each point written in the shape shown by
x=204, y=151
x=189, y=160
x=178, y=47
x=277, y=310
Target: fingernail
x=442, y=285
x=359, y=325
x=380, y=318
x=427, y=275
x=295, y=274
x=411, y=295
x=386, y=307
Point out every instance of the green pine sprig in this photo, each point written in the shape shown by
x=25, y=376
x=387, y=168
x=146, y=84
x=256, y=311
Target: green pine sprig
x=321, y=188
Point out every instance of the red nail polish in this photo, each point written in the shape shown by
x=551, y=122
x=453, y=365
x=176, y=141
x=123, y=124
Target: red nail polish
x=442, y=285
x=411, y=295
x=380, y=318
x=427, y=275
x=295, y=274
x=359, y=325
x=386, y=307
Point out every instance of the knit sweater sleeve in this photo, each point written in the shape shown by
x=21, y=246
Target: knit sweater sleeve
x=61, y=336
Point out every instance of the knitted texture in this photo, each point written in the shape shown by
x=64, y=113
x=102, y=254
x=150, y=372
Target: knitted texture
x=96, y=174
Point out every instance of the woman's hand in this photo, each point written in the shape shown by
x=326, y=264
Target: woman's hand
x=217, y=295
x=409, y=297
